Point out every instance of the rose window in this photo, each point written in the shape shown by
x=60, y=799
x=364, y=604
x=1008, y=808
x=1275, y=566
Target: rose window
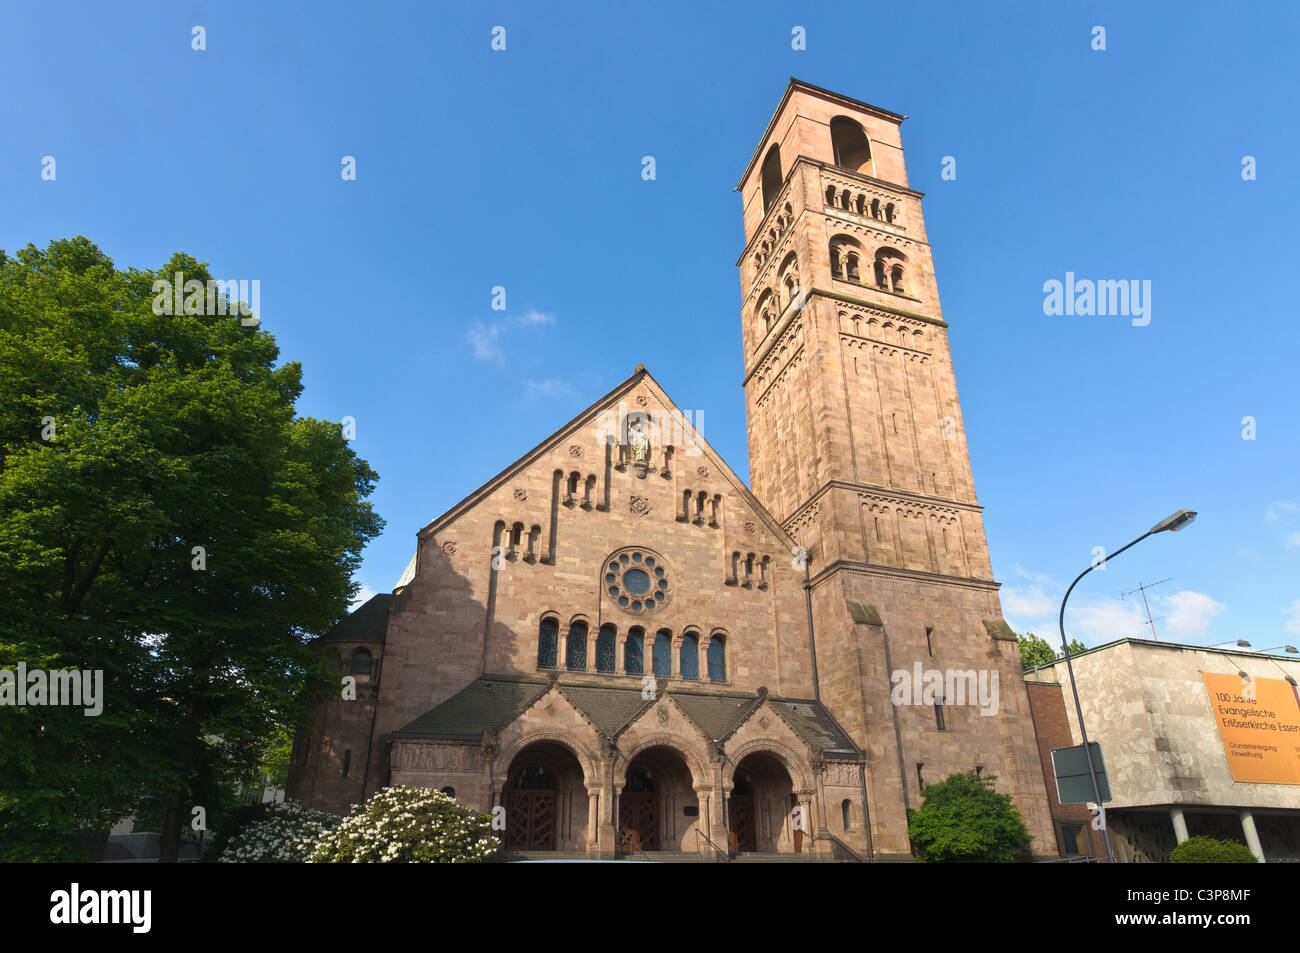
x=637, y=580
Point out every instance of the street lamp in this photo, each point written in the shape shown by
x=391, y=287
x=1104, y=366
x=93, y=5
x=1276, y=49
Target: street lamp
x=1173, y=524
x=1291, y=649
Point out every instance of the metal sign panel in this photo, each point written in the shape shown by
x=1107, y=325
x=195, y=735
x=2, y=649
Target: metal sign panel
x=1073, y=782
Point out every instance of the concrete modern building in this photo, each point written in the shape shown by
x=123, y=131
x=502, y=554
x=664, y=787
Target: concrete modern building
x=1196, y=741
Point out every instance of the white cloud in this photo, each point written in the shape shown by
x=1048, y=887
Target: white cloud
x=1293, y=539
x=551, y=387
x=1188, y=614
x=484, y=337
x=1277, y=509
x=1293, y=618
x=364, y=594
x=1027, y=602
x=1104, y=621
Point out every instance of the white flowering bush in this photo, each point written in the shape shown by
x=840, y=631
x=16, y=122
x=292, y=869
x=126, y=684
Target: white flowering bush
x=288, y=834
x=405, y=825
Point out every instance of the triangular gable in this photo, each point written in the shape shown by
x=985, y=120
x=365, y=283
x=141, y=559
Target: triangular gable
x=586, y=419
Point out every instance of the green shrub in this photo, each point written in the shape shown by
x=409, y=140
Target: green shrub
x=963, y=820
x=1211, y=850
x=409, y=825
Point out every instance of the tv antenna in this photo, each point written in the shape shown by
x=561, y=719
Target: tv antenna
x=1143, y=589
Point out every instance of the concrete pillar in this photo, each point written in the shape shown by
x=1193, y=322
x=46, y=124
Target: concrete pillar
x=1180, y=824
x=1252, y=836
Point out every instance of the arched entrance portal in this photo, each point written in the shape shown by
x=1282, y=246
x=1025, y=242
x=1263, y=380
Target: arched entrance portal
x=759, y=811
x=657, y=807
x=543, y=787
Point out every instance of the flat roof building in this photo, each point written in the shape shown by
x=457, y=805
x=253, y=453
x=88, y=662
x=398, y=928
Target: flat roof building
x=1196, y=741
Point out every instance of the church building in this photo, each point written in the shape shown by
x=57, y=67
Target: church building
x=630, y=650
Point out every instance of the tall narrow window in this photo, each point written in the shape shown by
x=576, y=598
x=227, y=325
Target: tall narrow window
x=575, y=650
x=361, y=661
x=846, y=812
x=548, y=644
x=690, y=656
x=663, y=654
x=605, y=643
x=771, y=177
x=717, y=660
x=347, y=761
x=938, y=715
x=929, y=640
x=634, y=651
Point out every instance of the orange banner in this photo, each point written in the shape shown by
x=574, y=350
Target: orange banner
x=1259, y=722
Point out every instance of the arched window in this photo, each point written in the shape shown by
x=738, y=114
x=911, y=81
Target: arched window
x=450, y=792
x=896, y=274
x=717, y=659
x=606, y=641
x=846, y=253
x=548, y=644
x=772, y=177
x=852, y=150
x=690, y=656
x=361, y=663
x=634, y=651
x=663, y=654
x=846, y=811
x=575, y=649
x=880, y=273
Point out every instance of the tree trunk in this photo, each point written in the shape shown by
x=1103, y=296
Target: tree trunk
x=174, y=815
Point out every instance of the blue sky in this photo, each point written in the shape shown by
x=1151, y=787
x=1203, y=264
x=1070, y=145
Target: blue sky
x=522, y=169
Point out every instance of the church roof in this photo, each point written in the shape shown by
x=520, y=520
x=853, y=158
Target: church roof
x=490, y=704
x=369, y=622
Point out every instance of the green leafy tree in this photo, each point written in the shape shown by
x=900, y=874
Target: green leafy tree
x=962, y=819
x=167, y=518
x=1035, y=651
x=1210, y=850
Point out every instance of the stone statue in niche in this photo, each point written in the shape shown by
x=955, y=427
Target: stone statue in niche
x=639, y=444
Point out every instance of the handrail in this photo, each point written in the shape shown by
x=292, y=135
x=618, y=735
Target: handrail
x=827, y=835
x=725, y=855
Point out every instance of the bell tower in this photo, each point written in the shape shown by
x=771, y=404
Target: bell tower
x=856, y=445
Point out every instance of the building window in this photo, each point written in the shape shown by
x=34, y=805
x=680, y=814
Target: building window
x=938, y=715
x=606, y=642
x=929, y=632
x=450, y=792
x=920, y=778
x=575, y=649
x=347, y=761
x=1074, y=840
x=690, y=656
x=663, y=654
x=851, y=148
x=846, y=812
x=548, y=644
x=634, y=651
x=771, y=177
x=361, y=663
x=717, y=659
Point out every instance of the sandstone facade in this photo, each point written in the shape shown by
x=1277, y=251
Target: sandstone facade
x=619, y=644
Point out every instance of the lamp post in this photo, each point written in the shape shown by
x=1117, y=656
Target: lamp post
x=1172, y=523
